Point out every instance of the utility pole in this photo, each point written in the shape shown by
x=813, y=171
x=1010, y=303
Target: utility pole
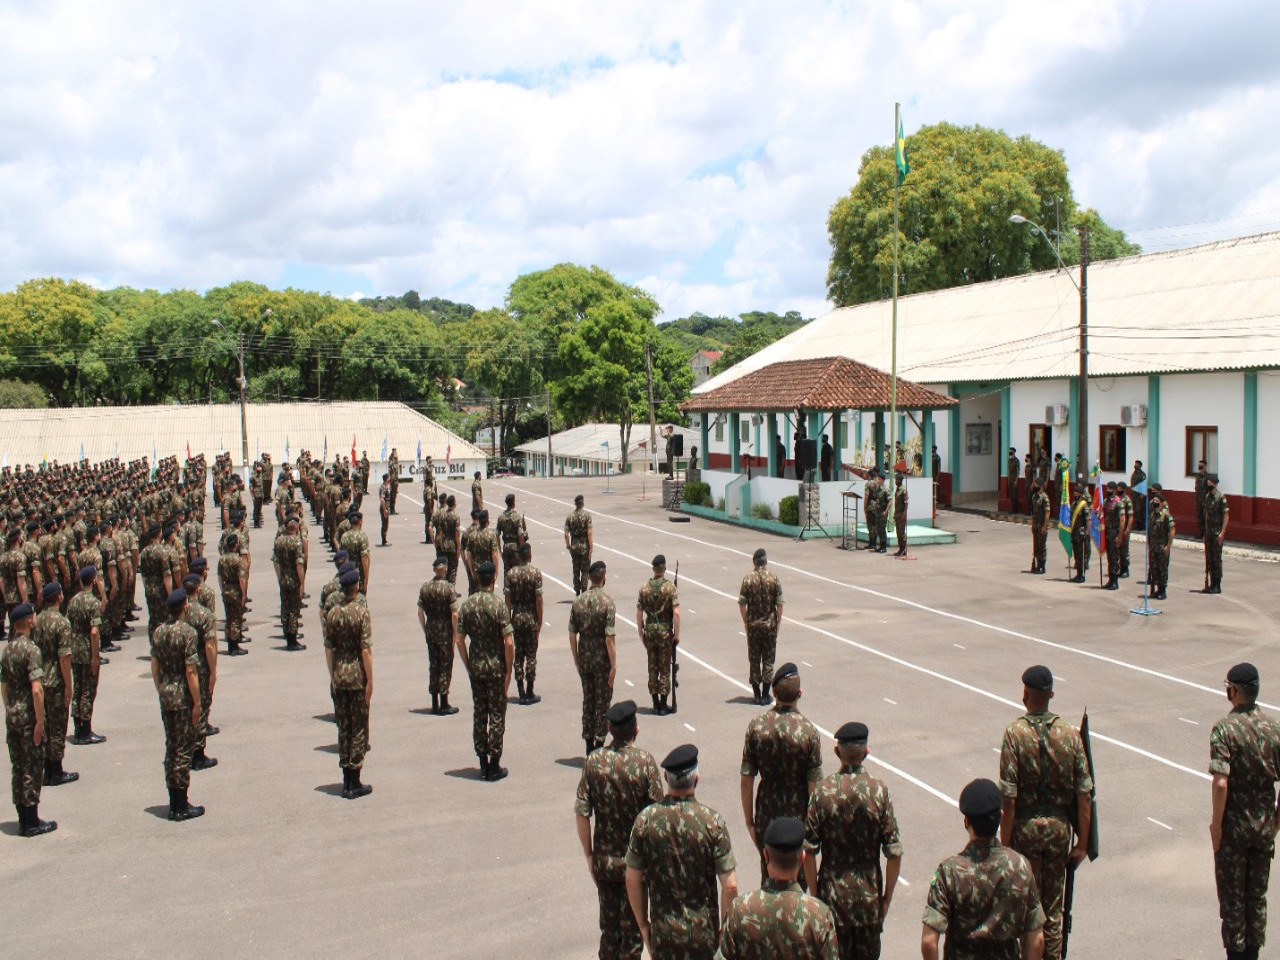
x=549, y=468
x=653, y=423
x=244, y=416
x=1082, y=427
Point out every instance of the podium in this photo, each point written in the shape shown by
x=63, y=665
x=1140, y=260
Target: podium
x=849, y=508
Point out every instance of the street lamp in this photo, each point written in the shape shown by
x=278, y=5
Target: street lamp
x=244, y=418
x=1082, y=419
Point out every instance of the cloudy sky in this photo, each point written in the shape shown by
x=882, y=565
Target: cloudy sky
x=692, y=148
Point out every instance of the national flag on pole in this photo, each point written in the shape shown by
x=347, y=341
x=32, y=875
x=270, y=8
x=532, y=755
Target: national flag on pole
x=448, y=450
x=155, y=466
x=82, y=452
x=1095, y=522
x=1064, y=523
x=418, y=456
x=384, y=449
x=900, y=154
x=286, y=449
x=353, y=448
x=188, y=449
x=325, y=454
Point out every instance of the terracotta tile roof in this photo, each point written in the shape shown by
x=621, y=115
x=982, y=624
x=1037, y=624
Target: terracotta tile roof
x=827, y=383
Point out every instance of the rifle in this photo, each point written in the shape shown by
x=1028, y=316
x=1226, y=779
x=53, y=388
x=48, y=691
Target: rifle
x=675, y=662
x=1092, y=844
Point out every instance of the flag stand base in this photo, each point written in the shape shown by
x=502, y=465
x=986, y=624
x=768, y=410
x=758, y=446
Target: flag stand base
x=1146, y=610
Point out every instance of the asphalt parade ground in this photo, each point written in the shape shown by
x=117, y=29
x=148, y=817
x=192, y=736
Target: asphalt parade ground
x=437, y=863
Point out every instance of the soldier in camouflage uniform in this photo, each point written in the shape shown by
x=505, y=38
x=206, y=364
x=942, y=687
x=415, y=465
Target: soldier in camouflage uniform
x=84, y=613
x=658, y=624
x=482, y=545
x=393, y=468
x=233, y=579
x=200, y=618
x=1202, y=493
x=1080, y=513
x=511, y=532
x=13, y=573
x=592, y=641
x=52, y=636
x=348, y=650
x=783, y=749
x=780, y=919
x=579, y=540
x=448, y=537
x=110, y=572
x=438, y=615
x=157, y=582
x=618, y=781
x=900, y=512
x=1039, y=526
x=488, y=661
x=286, y=557
x=1244, y=759
x=1044, y=777
x=174, y=669
x=1160, y=534
x=760, y=603
x=465, y=555
x=384, y=506
x=984, y=898
x=523, y=591
x=255, y=491
x=428, y=500
x=22, y=689
x=851, y=823
x=877, y=508
x=1126, y=525
x=1215, y=531
x=679, y=848
x=1113, y=527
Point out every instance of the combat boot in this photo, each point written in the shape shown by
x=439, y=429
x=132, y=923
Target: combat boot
x=445, y=709
x=435, y=704
x=88, y=736
x=663, y=709
x=30, y=824
x=657, y=705
x=181, y=809
x=521, y=696
x=234, y=650
x=484, y=766
x=496, y=771
x=108, y=646
x=202, y=762
x=55, y=776
x=755, y=692
x=529, y=694
x=358, y=789
x=292, y=644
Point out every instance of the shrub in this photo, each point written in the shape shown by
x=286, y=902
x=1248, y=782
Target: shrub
x=789, y=511
x=762, y=511
x=698, y=494
x=720, y=504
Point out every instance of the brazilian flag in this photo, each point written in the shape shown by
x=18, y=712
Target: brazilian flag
x=900, y=155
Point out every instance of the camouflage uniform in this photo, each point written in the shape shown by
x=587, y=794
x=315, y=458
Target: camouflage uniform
x=437, y=601
x=1245, y=748
x=1113, y=519
x=1159, y=535
x=230, y=567
x=512, y=532
x=446, y=525
x=900, y=515
x=153, y=565
x=287, y=554
x=52, y=635
x=20, y=664
x=523, y=587
x=577, y=525
x=681, y=846
x=466, y=553
x=1043, y=768
x=784, y=750
x=658, y=599
x=13, y=566
x=618, y=781
x=348, y=633
x=1039, y=529
x=482, y=545
x=778, y=920
x=174, y=647
x=483, y=618
x=477, y=495
x=851, y=822
x=200, y=619
x=761, y=591
x=592, y=619
x=393, y=468
x=1080, y=513
x=984, y=901
x=1126, y=518
x=1215, y=520
x=84, y=612
x=1202, y=495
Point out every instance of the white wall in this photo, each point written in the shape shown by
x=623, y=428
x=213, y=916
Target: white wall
x=1204, y=399
x=980, y=474
x=1268, y=449
x=1106, y=396
x=1026, y=405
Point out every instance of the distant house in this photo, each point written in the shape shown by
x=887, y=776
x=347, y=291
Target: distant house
x=702, y=362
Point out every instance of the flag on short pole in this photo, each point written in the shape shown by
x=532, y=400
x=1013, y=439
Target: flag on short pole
x=900, y=154
x=325, y=454
x=82, y=452
x=419, y=454
x=1095, y=522
x=384, y=449
x=448, y=450
x=286, y=449
x=353, y=448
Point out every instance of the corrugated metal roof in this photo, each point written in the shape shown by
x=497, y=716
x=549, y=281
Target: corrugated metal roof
x=587, y=442
x=1211, y=307
x=27, y=436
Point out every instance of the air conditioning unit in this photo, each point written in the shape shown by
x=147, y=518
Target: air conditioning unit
x=1134, y=416
x=757, y=419
x=1056, y=414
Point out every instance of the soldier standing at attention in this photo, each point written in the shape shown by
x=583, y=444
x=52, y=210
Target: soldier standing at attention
x=1039, y=526
x=618, y=781
x=1215, y=531
x=1028, y=474
x=783, y=749
x=879, y=495
x=592, y=642
x=174, y=662
x=512, y=531
x=233, y=578
x=1113, y=530
x=477, y=492
x=448, y=536
x=22, y=689
x=1080, y=512
x=851, y=823
x=679, y=848
x=286, y=557
x=384, y=506
x=428, y=499
x=255, y=491
x=1011, y=474
x=84, y=612
x=157, y=583
x=438, y=615
x=760, y=603
x=1126, y=527
x=523, y=591
x=465, y=555
x=1045, y=780
x=1159, y=542
x=52, y=637
x=356, y=542
x=1202, y=492
x=984, y=898
x=1139, y=501
x=780, y=919
x=658, y=623
x=482, y=547
x=483, y=618
x=348, y=653
x=364, y=471
x=900, y=513
x=393, y=468
x=201, y=620
x=1244, y=759
x=579, y=541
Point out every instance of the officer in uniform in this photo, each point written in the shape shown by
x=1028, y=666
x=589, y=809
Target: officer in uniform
x=783, y=749
x=1126, y=526
x=52, y=636
x=384, y=506
x=850, y=822
x=174, y=670
x=658, y=624
x=618, y=781
x=1215, y=531
x=523, y=592
x=679, y=848
x=1044, y=777
x=1039, y=525
x=233, y=577
x=482, y=545
x=201, y=620
x=356, y=542
x=22, y=689
x=592, y=642
x=511, y=530
x=428, y=500
x=84, y=613
x=871, y=504
x=1080, y=514
x=286, y=557
x=1202, y=492
x=438, y=615
x=477, y=492
x=579, y=540
x=900, y=513
x=449, y=537
x=760, y=604
x=1113, y=530
x=393, y=469
x=1244, y=759
x=984, y=898
x=348, y=652
x=1160, y=534
x=488, y=661
x=1011, y=475
x=780, y=919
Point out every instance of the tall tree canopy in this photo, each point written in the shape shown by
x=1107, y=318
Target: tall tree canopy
x=954, y=209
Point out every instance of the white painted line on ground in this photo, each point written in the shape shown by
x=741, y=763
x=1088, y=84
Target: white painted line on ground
x=691, y=610
x=902, y=881
x=628, y=683
x=1159, y=824
x=957, y=646
x=806, y=663
x=819, y=600
x=689, y=727
x=995, y=749
x=1194, y=723
x=887, y=700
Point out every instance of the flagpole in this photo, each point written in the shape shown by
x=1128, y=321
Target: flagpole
x=893, y=368
x=1147, y=610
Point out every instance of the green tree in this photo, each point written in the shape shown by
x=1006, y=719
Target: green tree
x=954, y=210
x=19, y=395
x=504, y=360
x=756, y=330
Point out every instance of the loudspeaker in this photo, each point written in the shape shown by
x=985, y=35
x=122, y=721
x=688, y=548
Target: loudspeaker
x=677, y=444
x=806, y=456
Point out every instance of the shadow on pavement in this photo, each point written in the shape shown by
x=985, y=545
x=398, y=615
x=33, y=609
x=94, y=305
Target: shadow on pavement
x=464, y=773
x=576, y=762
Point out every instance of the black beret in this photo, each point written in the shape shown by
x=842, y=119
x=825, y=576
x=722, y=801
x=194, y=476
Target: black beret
x=32, y=526
x=153, y=529
x=92, y=530
x=440, y=561
x=177, y=598
x=21, y=612
x=852, y=732
x=340, y=556
x=785, y=834
x=51, y=589
x=199, y=563
x=981, y=798
x=15, y=533
x=485, y=569
x=191, y=580
x=659, y=561
x=681, y=760
x=597, y=567
x=1213, y=478
x=349, y=578
x=1121, y=485
x=87, y=573
x=1243, y=674
x=622, y=713
x=784, y=672
x=354, y=515
x=1038, y=678
x=578, y=499
x=760, y=555
x=345, y=568
x=511, y=498
x=526, y=549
